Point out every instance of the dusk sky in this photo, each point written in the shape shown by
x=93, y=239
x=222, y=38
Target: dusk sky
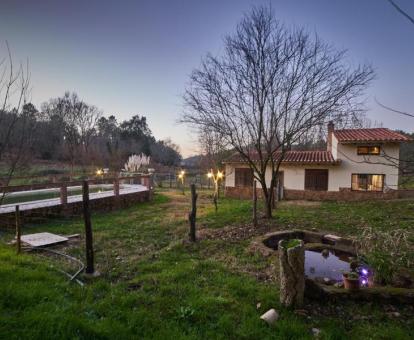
x=135, y=57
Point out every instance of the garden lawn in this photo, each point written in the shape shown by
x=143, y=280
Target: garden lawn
x=155, y=285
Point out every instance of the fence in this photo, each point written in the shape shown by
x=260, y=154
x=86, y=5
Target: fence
x=45, y=180
x=121, y=192
x=172, y=181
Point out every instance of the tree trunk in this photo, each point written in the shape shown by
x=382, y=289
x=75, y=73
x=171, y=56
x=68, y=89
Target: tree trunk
x=292, y=272
x=268, y=202
x=254, y=204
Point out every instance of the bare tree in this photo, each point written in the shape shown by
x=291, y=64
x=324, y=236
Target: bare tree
x=16, y=118
x=213, y=148
x=79, y=121
x=271, y=86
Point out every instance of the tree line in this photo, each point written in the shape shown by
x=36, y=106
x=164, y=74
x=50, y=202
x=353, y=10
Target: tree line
x=68, y=129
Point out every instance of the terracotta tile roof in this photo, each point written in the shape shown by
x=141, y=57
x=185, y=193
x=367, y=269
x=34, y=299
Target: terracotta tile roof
x=369, y=135
x=296, y=157
x=309, y=157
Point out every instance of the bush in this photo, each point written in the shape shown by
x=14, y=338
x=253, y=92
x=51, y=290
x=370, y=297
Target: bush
x=386, y=252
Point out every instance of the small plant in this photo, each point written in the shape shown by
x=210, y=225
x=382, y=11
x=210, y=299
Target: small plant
x=291, y=243
x=135, y=163
x=185, y=313
x=351, y=280
x=351, y=275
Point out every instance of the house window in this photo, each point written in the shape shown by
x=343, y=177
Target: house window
x=316, y=179
x=243, y=177
x=368, y=150
x=367, y=182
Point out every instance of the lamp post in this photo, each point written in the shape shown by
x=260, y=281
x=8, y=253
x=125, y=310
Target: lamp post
x=181, y=178
x=216, y=177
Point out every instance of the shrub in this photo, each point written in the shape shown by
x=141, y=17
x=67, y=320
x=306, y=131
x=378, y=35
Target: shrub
x=385, y=251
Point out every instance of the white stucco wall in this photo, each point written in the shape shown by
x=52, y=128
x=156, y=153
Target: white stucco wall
x=294, y=175
x=358, y=164
x=339, y=175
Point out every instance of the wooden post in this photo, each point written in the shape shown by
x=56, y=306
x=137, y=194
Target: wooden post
x=170, y=178
x=215, y=201
x=254, y=204
x=292, y=272
x=116, y=185
x=18, y=230
x=63, y=195
x=88, y=230
x=192, y=214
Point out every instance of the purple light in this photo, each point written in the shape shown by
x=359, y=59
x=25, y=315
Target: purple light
x=364, y=282
x=364, y=271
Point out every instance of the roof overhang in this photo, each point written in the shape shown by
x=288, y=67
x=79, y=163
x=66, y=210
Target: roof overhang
x=336, y=162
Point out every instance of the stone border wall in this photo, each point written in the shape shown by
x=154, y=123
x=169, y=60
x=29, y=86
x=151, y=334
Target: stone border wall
x=75, y=208
x=341, y=195
x=344, y=194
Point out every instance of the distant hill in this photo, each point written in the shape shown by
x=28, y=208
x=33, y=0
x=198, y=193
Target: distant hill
x=191, y=162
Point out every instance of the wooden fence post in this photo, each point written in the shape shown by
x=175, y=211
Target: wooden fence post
x=254, y=204
x=63, y=195
x=192, y=214
x=18, y=230
x=116, y=185
x=88, y=230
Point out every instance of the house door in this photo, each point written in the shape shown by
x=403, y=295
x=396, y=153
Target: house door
x=316, y=179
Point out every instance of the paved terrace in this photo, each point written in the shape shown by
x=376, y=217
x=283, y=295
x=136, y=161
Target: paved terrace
x=124, y=189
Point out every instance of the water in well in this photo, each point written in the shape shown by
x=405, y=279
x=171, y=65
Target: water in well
x=326, y=264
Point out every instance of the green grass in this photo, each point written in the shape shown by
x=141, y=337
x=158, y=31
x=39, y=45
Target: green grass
x=154, y=285
x=348, y=218
x=406, y=182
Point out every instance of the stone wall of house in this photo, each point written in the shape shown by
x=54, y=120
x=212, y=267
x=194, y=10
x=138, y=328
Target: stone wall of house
x=76, y=208
x=341, y=195
x=344, y=194
x=406, y=193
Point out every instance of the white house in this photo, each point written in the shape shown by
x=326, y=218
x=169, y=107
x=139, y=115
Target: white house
x=358, y=164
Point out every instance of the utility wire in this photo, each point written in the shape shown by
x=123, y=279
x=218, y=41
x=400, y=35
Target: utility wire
x=401, y=11
x=394, y=110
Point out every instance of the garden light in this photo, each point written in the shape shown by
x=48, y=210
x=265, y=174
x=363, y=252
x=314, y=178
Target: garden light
x=181, y=178
x=216, y=178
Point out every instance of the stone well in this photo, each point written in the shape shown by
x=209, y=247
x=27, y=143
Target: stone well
x=267, y=245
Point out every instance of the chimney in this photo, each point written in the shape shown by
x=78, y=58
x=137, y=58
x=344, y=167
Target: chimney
x=331, y=128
